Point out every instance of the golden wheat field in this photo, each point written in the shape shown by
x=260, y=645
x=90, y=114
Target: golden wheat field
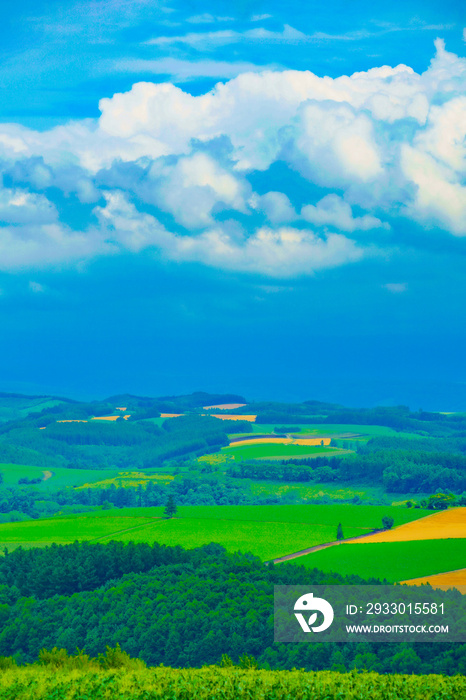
x=111, y=418
x=225, y=406
x=222, y=416
x=72, y=420
x=312, y=441
x=281, y=441
x=231, y=416
x=439, y=526
x=449, y=579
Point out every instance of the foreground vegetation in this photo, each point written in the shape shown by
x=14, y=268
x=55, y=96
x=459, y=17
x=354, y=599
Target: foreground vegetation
x=214, y=683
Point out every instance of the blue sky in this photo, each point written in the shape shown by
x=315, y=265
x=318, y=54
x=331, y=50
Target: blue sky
x=256, y=197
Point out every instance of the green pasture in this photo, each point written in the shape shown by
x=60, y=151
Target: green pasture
x=17, y=407
x=394, y=561
x=326, y=430
x=60, y=478
x=339, y=429
x=312, y=491
x=264, y=539
x=267, y=531
x=12, y=472
x=157, y=421
x=365, y=517
x=266, y=450
x=66, y=529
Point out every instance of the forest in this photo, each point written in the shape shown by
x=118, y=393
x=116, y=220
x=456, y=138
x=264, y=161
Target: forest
x=411, y=468
x=180, y=608
x=45, y=441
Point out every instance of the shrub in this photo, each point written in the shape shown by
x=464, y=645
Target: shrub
x=117, y=658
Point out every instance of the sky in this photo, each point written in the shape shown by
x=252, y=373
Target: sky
x=263, y=198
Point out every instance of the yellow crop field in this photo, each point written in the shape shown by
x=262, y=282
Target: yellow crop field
x=222, y=416
x=109, y=417
x=72, y=420
x=225, y=406
x=449, y=579
x=281, y=441
x=439, y=526
x=231, y=416
x=312, y=441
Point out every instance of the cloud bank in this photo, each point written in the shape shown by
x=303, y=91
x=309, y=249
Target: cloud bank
x=166, y=171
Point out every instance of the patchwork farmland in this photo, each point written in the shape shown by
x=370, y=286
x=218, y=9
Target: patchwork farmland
x=431, y=549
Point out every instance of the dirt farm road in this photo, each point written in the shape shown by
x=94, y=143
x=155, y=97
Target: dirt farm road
x=324, y=545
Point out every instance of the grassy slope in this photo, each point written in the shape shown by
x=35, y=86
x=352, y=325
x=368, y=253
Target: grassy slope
x=60, y=478
x=267, y=531
x=328, y=429
x=17, y=407
x=324, y=429
x=394, y=561
x=333, y=490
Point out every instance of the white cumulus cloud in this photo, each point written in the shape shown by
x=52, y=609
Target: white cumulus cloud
x=385, y=144
x=282, y=252
x=332, y=210
x=18, y=206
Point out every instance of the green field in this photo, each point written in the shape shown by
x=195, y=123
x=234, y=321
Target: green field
x=326, y=429
x=266, y=450
x=367, y=517
x=394, y=561
x=332, y=490
x=157, y=421
x=12, y=472
x=60, y=478
x=329, y=429
x=17, y=407
x=267, y=531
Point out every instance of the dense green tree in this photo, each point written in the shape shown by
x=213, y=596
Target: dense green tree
x=170, y=508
